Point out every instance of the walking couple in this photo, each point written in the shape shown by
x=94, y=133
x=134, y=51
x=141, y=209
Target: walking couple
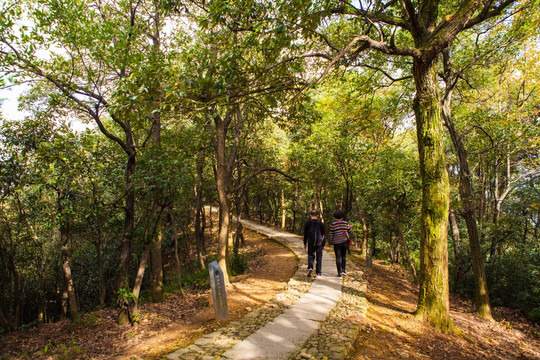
x=314, y=241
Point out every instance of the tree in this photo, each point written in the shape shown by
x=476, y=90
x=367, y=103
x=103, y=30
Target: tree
x=420, y=32
x=459, y=60
x=240, y=52
x=97, y=56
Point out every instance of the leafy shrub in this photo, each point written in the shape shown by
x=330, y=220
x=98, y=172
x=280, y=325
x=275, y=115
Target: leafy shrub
x=534, y=314
x=239, y=263
x=514, y=281
x=199, y=279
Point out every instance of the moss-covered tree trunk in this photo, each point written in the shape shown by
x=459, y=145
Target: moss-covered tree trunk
x=483, y=306
x=433, y=300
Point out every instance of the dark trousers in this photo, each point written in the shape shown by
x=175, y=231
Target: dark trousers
x=341, y=256
x=314, y=254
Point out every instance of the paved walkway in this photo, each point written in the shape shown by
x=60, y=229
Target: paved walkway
x=311, y=319
x=284, y=334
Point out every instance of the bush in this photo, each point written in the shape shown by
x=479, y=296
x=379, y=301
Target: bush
x=239, y=263
x=534, y=315
x=199, y=279
x=514, y=281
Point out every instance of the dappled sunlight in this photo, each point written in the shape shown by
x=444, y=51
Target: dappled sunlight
x=392, y=331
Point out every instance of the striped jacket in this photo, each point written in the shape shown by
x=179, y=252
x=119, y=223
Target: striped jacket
x=339, y=232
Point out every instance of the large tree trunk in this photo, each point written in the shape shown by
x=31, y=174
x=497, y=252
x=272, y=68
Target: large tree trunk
x=483, y=307
x=433, y=300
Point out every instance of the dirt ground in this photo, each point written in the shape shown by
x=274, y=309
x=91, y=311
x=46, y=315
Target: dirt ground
x=165, y=326
x=391, y=331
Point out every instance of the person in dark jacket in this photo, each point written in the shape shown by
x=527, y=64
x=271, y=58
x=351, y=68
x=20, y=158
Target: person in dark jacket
x=338, y=235
x=314, y=242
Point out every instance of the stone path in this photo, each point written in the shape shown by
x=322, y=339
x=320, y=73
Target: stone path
x=311, y=319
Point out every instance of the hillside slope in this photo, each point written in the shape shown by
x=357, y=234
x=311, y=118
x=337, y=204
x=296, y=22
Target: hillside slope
x=391, y=331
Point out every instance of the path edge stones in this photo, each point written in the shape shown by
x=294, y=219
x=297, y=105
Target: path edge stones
x=333, y=340
x=213, y=345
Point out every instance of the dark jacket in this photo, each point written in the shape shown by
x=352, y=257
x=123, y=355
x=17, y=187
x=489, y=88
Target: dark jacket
x=307, y=226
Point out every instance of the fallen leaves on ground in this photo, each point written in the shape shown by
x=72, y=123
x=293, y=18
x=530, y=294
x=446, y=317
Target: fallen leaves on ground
x=391, y=331
x=164, y=327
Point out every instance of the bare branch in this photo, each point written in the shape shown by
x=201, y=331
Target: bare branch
x=320, y=55
x=486, y=13
x=239, y=187
x=385, y=73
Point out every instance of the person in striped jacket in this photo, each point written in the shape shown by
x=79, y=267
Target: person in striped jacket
x=339, y=237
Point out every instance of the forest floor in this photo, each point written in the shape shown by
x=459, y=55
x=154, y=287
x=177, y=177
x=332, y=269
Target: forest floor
x=165, y=327
x=390, y=330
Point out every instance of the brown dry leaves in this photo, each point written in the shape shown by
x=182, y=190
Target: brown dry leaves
x=164, y=327
x=393, y=332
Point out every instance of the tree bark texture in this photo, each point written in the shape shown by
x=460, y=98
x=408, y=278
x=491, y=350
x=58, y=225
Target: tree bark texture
x=433, y=300
x=199, y=230
x=133, y=305
x=157, y=264
x=156, y=253
x=129, y=225
x=483, y=306
x=223, y=185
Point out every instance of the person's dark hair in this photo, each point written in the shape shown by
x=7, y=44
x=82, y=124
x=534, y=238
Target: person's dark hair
x=338, y=214
x=314, y=213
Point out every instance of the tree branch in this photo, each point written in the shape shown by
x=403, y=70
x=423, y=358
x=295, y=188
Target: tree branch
x=239, y=187
x=385, y=73
x=411, y=13
x=486, y=13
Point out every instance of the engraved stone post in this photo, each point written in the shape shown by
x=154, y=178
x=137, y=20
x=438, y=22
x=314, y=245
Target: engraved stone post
x=219, y=293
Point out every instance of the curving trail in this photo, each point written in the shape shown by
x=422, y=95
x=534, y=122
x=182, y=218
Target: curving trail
x=311, y=319
x=286, y=333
